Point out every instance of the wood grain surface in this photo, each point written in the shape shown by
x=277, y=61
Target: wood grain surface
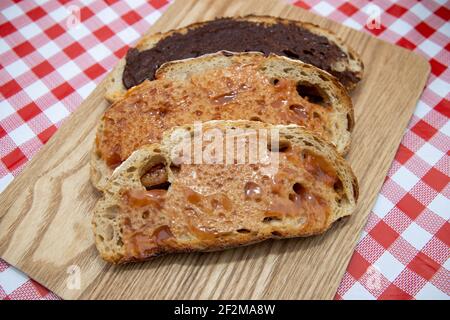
x=45, y=214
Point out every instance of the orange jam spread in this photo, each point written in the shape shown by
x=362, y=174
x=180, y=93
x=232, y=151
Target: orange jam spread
x=221, y=202
x=203, y=233
x=143, y=198
x=161, y=234
x=192, y=196
x=301, y=202
x=316, y=165
x=320, y=168
x=237, y=92
x=208, y=203
x=252, y=190
x=139, y=244
x=294, y=188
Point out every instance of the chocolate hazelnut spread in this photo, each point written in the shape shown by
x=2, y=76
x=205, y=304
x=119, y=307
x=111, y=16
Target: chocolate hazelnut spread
x=285, y=39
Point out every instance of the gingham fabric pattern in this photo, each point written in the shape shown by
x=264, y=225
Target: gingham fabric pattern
x=49, y=63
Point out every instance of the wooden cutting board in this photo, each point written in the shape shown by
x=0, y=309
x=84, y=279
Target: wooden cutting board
x=45, y=213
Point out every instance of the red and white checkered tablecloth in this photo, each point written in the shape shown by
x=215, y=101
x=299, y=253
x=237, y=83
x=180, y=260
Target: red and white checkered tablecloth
x=49, y=63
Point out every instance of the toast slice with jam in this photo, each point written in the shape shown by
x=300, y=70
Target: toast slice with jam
x=158, y=202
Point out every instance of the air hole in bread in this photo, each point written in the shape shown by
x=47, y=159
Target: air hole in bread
x=243, y=230
x=108, y=232
x=316, y=140
x=156, y=150
x=283, y=146
x=270, y=219
x=312, y=94
x=274, y=81
x=298, y=188
x=131, y=169
x=316, y=115
x=174, y=168
x=338, y=187
x=291, y=54
x=145, y=214
x=276, y=234
x=321, y=76
x=287, y=69
x=161, y=186
x=111, y=212
x=256, y=119
x=155, y=177
x=198, y=113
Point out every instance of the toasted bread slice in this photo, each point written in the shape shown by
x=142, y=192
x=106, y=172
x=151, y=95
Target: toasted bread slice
x=223, y=86
x=213, y=206
x=294, y=39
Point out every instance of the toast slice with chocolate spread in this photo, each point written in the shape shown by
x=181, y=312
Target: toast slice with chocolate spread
x=294, y=39
x=222, y=86
x=157, y=202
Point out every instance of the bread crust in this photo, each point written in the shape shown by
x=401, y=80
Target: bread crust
x=115, y=88
x=108, y=218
